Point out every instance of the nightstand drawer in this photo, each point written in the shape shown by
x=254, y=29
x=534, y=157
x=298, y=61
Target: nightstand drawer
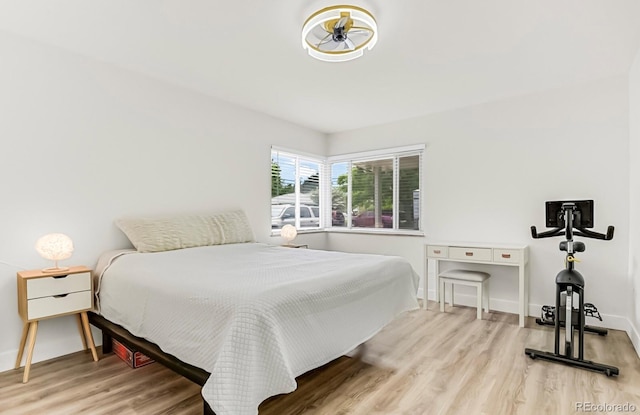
x=53, y=306
x=475, y=254
x=509, y=256
x=48, y=286
x=436, y=251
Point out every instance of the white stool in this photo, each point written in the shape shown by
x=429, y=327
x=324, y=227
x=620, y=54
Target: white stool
x=476, y=279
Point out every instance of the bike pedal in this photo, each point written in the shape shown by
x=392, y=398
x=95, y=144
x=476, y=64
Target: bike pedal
x=590, y=310
x=548, y=313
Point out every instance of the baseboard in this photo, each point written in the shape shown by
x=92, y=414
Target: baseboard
x=47, y=349
x=634, y=335
x=609, y=321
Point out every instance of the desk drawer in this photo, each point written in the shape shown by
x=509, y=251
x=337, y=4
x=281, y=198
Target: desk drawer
x=509, y=256
x=47, y=286
x=436, y=251
x=470, y=254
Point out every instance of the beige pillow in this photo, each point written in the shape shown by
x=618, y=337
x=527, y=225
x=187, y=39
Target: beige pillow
x=188, y=231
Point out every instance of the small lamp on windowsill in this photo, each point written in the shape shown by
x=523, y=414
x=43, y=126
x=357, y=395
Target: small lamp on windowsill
x=56, y=247
x=288, y=233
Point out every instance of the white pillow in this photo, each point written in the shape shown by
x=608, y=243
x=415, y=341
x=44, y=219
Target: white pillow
x=188, y=231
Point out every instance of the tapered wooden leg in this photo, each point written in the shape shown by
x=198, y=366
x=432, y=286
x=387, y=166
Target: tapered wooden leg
x=33, y=330
x=81, y=330
x=88, y=335
x=23, y=342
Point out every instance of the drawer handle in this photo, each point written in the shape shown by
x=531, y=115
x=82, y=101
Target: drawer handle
x=507, y=256
x=57, y=277
x=60, y=295
x=468, y=253
x=436, y=251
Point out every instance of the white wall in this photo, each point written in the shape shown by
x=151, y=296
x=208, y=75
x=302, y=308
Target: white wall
x=490, y=168
x=634, y=190
x=84, y=143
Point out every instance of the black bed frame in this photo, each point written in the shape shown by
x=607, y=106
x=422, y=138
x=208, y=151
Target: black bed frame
x=113, y=331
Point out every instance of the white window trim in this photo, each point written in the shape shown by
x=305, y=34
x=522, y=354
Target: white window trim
x=376, y=154
x=297, y=153
x=392, y=153
x=325, y=188
x=322, y=162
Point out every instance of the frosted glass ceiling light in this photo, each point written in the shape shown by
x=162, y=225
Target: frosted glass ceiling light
x=56, y=247
x=339, y=33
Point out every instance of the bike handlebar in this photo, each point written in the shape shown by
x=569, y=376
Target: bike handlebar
x=579, y=232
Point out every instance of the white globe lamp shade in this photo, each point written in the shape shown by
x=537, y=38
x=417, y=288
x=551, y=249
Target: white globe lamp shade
x=288, y=233
x=55, y=247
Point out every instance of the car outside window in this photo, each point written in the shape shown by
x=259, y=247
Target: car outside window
x=289, y=212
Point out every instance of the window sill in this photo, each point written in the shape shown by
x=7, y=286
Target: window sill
x=374, y=231
x=361, y=231
x=301, y=231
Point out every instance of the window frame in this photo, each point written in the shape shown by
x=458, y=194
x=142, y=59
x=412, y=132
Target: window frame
x=394, y=154
x=325, y=203
x=307, y=157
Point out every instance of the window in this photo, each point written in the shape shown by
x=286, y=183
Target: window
x=378, y=190
x=339, y=191
x=295, y=190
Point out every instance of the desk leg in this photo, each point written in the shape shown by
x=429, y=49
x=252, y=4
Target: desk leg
x=23, y=342
x=425, y=283
x=523, y=294
x=33, y=330
x=88, y=335
x=436, y=286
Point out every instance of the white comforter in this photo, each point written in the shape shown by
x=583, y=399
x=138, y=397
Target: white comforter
x=255, y=316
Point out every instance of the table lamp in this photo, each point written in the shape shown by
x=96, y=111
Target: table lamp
x=56, y=247
x=288, y=233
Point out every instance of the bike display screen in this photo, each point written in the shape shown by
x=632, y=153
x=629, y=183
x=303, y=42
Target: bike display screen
x=582, y=213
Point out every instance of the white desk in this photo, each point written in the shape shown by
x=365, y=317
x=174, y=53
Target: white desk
x=480, y=253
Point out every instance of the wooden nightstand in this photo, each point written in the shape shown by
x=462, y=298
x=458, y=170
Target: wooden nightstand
x=43, y=295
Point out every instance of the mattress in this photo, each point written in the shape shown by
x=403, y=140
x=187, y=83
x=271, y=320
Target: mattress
x=255, y=316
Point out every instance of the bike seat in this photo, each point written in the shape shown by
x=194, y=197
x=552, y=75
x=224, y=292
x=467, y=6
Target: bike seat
x=577, y=246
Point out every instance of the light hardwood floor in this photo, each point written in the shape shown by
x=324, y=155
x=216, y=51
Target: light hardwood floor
x=425, y=362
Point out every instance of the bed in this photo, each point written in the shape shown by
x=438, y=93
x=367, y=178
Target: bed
x=249, y=315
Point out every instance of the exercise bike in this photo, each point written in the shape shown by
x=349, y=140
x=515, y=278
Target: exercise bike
x=569, y=219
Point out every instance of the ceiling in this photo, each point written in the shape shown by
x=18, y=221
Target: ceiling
x=432, y=55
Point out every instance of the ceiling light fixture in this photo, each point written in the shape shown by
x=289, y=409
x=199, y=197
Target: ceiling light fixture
x=339, y=33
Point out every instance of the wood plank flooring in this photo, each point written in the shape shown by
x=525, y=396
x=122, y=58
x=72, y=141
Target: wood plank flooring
x=425, y=362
